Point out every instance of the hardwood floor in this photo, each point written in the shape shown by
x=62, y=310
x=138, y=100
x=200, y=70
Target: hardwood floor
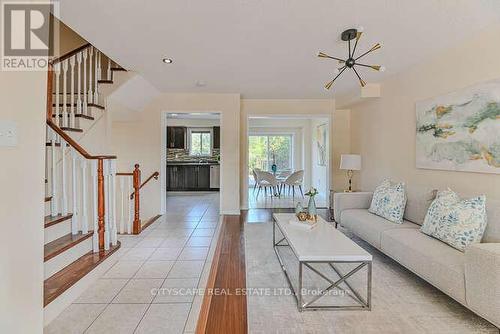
x=227, y=312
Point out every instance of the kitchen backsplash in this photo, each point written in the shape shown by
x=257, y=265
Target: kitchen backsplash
x=174, y=154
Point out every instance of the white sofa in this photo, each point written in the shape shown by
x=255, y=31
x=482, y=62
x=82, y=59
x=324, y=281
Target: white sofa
x=472, y=277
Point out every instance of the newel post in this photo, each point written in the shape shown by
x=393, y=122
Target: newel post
x=100, y=202
x=137, y=185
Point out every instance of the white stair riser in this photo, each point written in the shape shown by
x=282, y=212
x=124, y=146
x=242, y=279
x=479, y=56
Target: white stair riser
x=56, y=231
x=67, y=257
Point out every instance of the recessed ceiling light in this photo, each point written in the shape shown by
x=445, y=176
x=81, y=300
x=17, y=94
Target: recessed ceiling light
x=167, y=60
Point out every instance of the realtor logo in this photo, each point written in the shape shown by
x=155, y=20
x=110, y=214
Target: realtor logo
x=26, y=32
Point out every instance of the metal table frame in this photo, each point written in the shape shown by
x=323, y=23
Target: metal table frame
x=364, y=304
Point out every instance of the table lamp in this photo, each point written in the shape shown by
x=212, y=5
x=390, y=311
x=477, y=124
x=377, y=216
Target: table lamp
x=350, y=162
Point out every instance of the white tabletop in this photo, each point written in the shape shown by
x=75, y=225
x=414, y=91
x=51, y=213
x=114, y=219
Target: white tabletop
x=322, y=243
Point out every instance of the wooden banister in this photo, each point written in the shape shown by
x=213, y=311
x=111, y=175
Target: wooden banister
x=154, y=175
x=137, y=185
x=70, y=53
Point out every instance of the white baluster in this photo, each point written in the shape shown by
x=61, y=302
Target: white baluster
x=130, y=205
x=112, y=216
x=107, y=232
x=79, y=106
x=123, y=204
x=85, y=111
x=91, y=70
x=108, y=72
x=57, y=73
x=72, y=97
x=65, y=118
x=95, y=236
x=53, y=181
x=64, y=209
x=76, y=211
x=97, y=76
x=84, y=218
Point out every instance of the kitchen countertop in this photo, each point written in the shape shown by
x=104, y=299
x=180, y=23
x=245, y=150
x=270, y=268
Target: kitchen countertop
x=192, y=163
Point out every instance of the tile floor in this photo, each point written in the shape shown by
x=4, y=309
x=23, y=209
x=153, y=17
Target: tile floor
x=172, y=256
x=285, y=201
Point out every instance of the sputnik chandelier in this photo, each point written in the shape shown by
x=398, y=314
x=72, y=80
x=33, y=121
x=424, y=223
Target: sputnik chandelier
x=352, y=60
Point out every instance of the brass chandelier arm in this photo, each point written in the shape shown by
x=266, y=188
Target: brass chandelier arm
x=374, y=67
x=375, y=47
x=358, y=36
x=324, y=55
x=329, y=84
x=361, y=81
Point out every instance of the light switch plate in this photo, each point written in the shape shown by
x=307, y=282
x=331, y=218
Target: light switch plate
x=8, y=134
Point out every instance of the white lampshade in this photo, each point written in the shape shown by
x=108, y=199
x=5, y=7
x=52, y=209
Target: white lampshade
x=350, y=161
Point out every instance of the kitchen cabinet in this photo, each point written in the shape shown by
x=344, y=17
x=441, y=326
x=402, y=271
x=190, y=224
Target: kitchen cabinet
x=175, y=177
x=217, y=137
x=176, y=137
x=188, y=177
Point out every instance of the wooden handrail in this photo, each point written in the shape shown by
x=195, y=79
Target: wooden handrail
x=154, y=175
x=70, y=53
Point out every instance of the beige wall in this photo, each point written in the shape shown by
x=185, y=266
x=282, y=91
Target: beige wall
x=383, y=130
x=68, y=39
x=141, y=141
x=23, y=100
x=341, y=145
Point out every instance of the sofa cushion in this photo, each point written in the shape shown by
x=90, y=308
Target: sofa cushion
x=431, y=259
x=458, y=222
x=368, y=226
x=389, y=201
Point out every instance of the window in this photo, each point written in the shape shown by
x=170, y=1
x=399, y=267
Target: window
x=263, y=150
x=200, y=142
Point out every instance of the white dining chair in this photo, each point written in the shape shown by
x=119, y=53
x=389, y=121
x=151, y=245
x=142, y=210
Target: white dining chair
x=267, y=180
x=295, y=179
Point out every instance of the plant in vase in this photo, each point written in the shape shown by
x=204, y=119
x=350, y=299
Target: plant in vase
x=311, y=207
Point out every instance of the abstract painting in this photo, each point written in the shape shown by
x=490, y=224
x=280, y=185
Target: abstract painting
x=321, y=135
x=460, y=131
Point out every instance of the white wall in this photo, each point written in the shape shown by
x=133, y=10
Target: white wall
x=193, y=122
x=22, y=174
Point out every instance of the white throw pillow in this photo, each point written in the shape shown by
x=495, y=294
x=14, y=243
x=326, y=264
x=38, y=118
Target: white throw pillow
x=455, y=221
x=389, y=201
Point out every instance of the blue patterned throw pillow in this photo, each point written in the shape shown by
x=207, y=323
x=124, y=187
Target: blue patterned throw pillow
x=455, y=221
x=389, y=201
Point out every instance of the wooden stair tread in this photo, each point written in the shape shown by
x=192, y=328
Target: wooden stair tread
x=65, y=128
x=48, y=198
x=56, y=247
x=64, y=279
x=56, y=144
x=49, y=220
x=105, y=81
x=118, y=69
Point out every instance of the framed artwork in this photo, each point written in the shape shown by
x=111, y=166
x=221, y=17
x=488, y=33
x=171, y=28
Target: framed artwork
x=460, y=131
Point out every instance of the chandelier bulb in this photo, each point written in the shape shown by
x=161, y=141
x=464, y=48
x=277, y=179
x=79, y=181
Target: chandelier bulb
x=336, y=71
x=382, y=69
x=360, y=29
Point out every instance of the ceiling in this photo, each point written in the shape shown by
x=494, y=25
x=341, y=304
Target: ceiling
x=267, y=49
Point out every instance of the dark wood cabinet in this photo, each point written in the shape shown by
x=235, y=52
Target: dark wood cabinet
x=176, y=137
x=175, y=177
x=188, y=177
x=217, y=137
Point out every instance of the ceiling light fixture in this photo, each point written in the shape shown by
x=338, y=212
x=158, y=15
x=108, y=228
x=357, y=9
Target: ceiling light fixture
x=352, y=61
x=167, y=60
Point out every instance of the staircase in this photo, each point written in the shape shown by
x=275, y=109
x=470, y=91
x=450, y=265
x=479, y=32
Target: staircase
x=80, y=204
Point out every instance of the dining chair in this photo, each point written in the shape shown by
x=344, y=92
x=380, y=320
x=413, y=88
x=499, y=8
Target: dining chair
x=255, y=178
x=295, y=179
x=267, y=180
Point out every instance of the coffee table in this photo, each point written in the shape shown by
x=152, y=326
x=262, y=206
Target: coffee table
x=327, y=245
